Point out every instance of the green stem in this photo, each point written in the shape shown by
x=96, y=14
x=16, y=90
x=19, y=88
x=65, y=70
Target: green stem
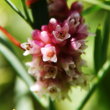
x=51, y=105
x=102, y=72
x=18, y=12
x=98, y=3
x=26, y=12
x=15, y=9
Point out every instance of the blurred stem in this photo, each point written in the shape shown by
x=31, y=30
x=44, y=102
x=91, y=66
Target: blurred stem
x=18, y=12
x=26, y=12
x=98, y=3
x=51, y=105
x=20, y=69
x=102, y=72
x=10, y=37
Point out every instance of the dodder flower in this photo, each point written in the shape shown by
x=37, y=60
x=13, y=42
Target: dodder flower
x=49, y=53
x=56, y=50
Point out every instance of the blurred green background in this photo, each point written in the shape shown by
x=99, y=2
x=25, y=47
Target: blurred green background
x=14, y=93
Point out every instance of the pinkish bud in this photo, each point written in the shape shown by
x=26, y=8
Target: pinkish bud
x=77, y=6
x=61, y=11
x=61, y=33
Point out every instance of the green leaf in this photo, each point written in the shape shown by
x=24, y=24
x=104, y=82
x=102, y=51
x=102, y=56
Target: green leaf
x=97, y=49
x=18, y=12
x=98, y=3
x=101, y=75
x=14, y=8
x=26, y=11
x=19, y=67
x=6, y=43
x=51, y=105
x=91, y=9
x=105, y=42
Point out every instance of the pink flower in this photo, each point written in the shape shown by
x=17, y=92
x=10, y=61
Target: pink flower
x=30, y=48
x=61, y=33
x=60, y=12
x=75, y=44
x=45, y=37
x=73, y=21
x=77, y=6
x=82, y=31
x=49, y=53
x=56, y=51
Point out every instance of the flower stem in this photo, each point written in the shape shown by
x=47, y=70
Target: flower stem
x=11, y=38
x=18, y=12
x=102, y=72
x=51, y=105
x=39, y=13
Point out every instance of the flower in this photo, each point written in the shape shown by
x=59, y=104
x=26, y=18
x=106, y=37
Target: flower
x=61, y=33
x=31, y=48
x=49, y=53
x=56, y=51
x=60, y=12
x=50, y=71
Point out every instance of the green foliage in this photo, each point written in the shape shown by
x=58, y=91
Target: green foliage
x=91, y=9
x=97, y=49
x=101, y=43
x=17, y=65
x=106, y=36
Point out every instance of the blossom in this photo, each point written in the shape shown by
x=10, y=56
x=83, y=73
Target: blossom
x=31, y=48
x=61, y=33
x=75, y=44
x=50, y=71
x=60, y=12
x=49, y=53
x=56, y=51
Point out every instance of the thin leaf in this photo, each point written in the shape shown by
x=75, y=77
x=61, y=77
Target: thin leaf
x=98, y=3
x=17, y=11
x=6, y=43
x=19, y=67
x=106, y=32
x=14, y=8
x=25, y=10
x=91, y=9
x=101, y=74
x=97, y=49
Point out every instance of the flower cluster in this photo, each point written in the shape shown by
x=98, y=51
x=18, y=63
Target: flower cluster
x=56, y=51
